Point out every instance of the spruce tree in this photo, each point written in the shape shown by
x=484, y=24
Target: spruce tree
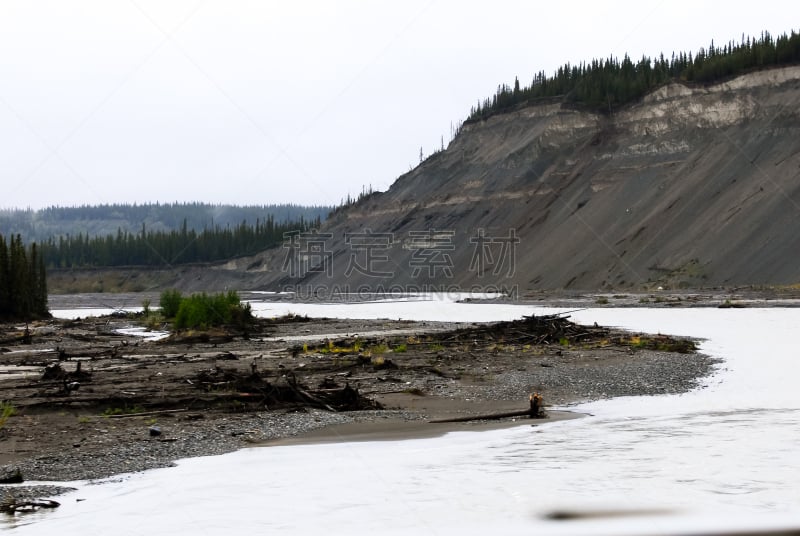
x=5, y=284
x=23, y=281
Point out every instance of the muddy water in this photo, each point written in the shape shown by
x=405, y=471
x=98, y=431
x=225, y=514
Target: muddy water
x=722, y=457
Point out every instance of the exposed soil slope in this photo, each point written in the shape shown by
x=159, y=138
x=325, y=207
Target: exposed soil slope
x=691, y=187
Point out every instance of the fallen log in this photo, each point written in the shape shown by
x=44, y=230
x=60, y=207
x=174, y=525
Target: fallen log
x=147, y=413
x=13, y=340
x=535, y=411
x=309, y=397
x=14, y=507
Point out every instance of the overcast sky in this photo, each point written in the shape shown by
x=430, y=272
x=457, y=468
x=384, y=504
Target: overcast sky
x=248, y=102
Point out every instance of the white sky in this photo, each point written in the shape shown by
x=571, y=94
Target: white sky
x=248, y=102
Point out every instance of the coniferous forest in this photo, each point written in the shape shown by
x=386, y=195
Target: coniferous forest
x=606, y=84
x=101, y=220
x=23, y=281
x=166, y=248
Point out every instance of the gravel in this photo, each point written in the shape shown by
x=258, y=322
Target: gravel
x=106, y=447
x=15, y=494
x=652, y=373
x=207, y=437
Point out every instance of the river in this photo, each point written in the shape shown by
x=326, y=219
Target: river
x=723, y=457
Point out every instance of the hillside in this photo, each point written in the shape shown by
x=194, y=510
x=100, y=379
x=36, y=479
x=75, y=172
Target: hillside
x=689, y=187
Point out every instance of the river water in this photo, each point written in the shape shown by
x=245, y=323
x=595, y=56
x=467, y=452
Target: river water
x=724, y=457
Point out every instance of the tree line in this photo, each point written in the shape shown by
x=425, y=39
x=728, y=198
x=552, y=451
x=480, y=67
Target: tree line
x=23, y=281
x=101, y=220
x=160, y=248
x=606, y=84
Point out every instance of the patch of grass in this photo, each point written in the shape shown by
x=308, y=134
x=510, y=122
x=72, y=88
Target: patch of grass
x=602, y=300
x=663, y=343
x=532, y=349
x=153, y=320
x=84, y=419
x=682, y=346
x=331, y=348
x=435, y=347
x=122, y=411
x=563, y=341
x=7, y=410
x=400, y=348
x=377, y=349
x=644, y=300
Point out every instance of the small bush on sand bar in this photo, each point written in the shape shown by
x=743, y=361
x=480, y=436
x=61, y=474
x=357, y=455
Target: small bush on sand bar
x=203, y=311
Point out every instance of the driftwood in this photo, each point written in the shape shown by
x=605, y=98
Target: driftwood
x=543, y=329
x=253, y=387
x=292, y=383
x=535, y=411
x=147, y=413
x=13, y=507
x=14, y=340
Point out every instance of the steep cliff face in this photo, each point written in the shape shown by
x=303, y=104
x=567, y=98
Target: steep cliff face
x=689, y=187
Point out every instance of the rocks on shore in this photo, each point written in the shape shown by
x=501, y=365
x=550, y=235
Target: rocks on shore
x=10, y=474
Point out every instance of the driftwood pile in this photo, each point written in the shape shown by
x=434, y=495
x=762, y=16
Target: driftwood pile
x=67, y=382
x=545, y=329
x=285, y=392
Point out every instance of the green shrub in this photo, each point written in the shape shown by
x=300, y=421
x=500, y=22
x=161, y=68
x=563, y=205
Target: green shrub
x=170, y=303
x=202, y=311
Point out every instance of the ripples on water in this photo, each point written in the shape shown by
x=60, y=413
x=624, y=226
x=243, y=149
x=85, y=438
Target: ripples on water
x=727, y=452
